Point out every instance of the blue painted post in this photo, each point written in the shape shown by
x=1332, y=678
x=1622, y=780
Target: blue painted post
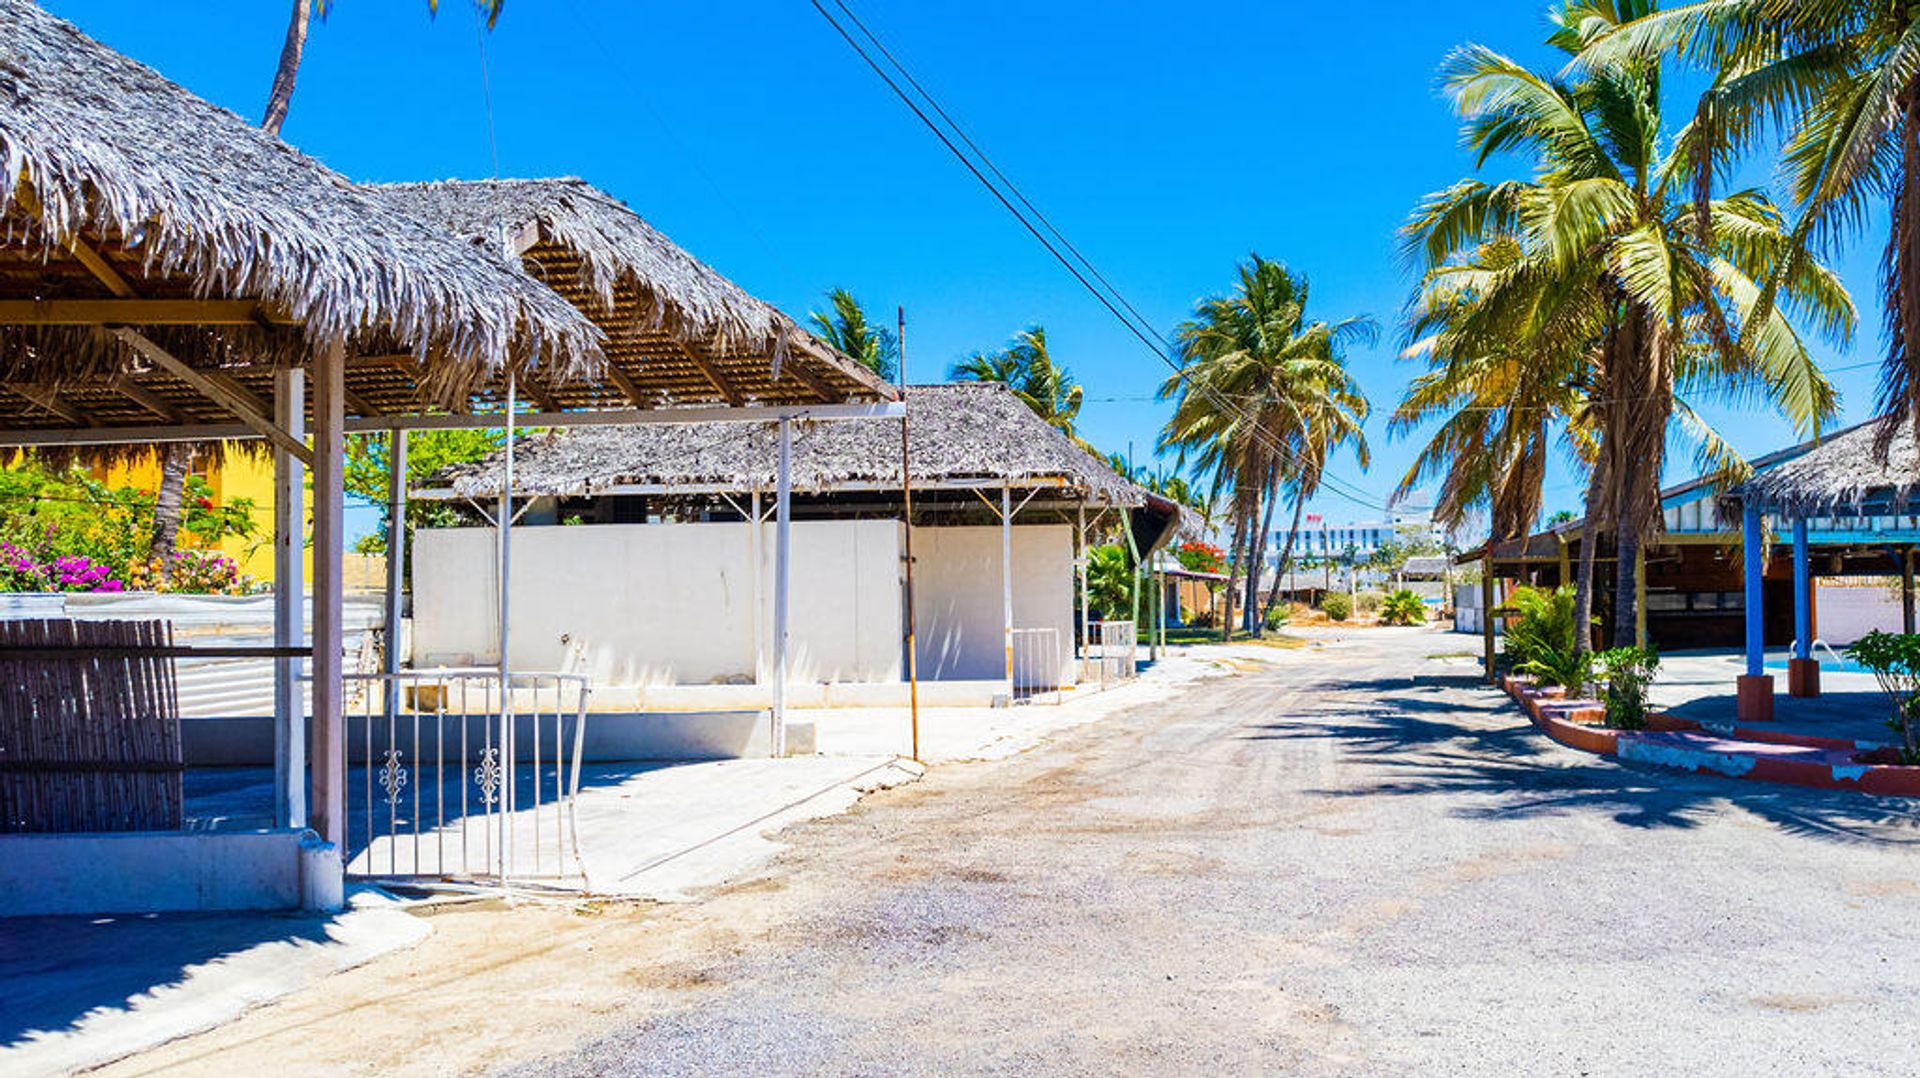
x=1802, y=594
x=1753, y=552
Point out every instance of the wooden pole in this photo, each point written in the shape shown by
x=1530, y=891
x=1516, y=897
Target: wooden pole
x=782, y=570
x=289, y=604
x=396, y=562
x=327, y=750
x=906, y=534
x=1006, y=578
x=1906, y=591
x=1486, y=607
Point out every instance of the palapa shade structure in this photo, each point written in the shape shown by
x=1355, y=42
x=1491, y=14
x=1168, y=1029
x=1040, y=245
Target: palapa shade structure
x=963, y=434
x=129, y=202
x=170, y=272
x=677, y=331
x=1845, y=475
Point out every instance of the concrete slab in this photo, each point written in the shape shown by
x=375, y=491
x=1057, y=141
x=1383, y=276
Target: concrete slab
x=82, y=991
x=666, y=831
x=1699, y=685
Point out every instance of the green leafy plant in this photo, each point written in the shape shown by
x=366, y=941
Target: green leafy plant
x=1337, y=606
x=1110, y=580
x=1541, y=640
x=1628, y=673
x=1277, y=616
x=1403, y=607
x=1894, y=659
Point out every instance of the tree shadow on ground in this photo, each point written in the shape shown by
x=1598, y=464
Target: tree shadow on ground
x=1454, y=737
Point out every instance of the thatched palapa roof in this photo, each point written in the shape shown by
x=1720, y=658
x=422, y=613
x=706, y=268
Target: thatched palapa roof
x=183, y=200
x=960, y=434
x=676, y=329
x=1844, y=475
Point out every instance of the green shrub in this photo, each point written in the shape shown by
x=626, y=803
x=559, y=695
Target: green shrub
x=1628, y=673
x=1541, y=640
x=1337, y=606
x=1894, y=659
x=1403, y=607
x=1368, y=602
x=1278, y=615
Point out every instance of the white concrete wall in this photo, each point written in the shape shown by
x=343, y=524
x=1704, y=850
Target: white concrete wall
x=958, y=597
x=665, y=604
x=1848, y=613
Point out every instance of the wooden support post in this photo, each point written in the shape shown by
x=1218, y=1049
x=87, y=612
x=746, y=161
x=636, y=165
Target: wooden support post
x=1906, y=591
x=1006, y=578
x=327, y=748
x=1086, y=604
x=396, y=559
x=782, y=583
x=289, y=604
x=1486, y=609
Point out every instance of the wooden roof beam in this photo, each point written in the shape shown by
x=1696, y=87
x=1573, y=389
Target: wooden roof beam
x=49, y=398
x=223, y=391
x=627, y=386
x=135, y=312
x=146, y=398
x=812, y=380
x=711, y=371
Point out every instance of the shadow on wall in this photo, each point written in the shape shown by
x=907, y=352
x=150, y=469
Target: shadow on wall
x=1454, y=736
x=55, y=971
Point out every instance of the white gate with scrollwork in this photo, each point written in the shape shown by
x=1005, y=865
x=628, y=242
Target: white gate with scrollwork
x=451, y=778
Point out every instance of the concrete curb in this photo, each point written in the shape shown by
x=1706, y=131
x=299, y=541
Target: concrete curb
x=1742, y=752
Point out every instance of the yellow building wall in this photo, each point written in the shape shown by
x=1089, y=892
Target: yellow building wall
x=235, y=476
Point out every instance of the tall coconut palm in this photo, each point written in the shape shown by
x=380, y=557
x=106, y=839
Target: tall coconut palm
x=280, y=94
x=846, y=327
x=1263, y=398
x=1840, y=80
x=1671, y=295
x=1026, y=367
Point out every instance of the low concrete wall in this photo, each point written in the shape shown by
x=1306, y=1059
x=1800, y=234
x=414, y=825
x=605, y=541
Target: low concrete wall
x=165, y=872
x=1847, y=613
x=688, y=734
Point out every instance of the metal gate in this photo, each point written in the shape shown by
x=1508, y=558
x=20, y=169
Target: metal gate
x=450, y=778
x=1036, y=664
x=1112, y=653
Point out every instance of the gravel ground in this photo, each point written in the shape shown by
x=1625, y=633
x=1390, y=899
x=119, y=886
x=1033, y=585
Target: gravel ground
x=1351, y=861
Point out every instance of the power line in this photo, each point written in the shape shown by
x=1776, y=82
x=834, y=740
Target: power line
x=1113, y=302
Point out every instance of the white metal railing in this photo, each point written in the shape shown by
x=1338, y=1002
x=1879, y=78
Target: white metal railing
x=450, y=778
x=1036, y=664
x=1112, y=653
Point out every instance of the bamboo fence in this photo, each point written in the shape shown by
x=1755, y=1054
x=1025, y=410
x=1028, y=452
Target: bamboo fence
x=89, y=727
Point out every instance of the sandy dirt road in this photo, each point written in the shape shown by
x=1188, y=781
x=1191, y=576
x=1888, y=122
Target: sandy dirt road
x=1354, y=861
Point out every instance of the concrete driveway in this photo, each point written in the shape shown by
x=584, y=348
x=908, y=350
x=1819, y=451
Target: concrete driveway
x=1352, y=860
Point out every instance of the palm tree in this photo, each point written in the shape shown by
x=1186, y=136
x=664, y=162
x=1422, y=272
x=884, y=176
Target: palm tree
x=1263, y=398
x=1839, y=79
x=1026, y=367
x=1610, y=259
x=280, y=95
x=847, y=329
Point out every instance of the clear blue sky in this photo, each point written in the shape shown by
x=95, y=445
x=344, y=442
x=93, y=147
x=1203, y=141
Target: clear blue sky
x=1166, y=142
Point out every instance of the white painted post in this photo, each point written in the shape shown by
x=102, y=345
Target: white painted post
x=504, y=574
x=1086, y=606
x=1006, y=576
x=754, y=543
x=327, y=753
x=782, y=568
x=289, y=603
x=396, y=562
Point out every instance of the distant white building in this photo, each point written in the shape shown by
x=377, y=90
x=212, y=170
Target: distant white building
x=1321, y=539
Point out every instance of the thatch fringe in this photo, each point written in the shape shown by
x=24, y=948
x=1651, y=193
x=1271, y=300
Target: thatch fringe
x=967, y=431
x=1842, y=473
x=113, y=149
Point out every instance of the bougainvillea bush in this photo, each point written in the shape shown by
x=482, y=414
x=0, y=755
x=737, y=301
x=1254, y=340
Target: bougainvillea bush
x=194, y=572
x=1199, y=557
x=24, y=570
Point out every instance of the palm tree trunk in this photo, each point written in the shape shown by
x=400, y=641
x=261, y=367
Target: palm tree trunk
x=1286, y=557
x=1589, y=538
x=280, y=97
x=174, y=462
x=1256, y=623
